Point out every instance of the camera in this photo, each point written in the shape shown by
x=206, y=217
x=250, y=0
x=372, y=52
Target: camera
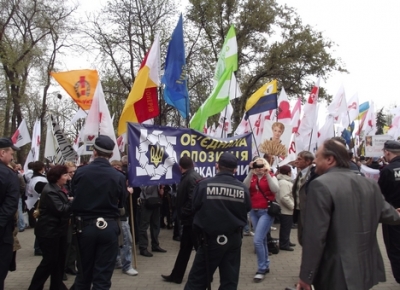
x=258, y=165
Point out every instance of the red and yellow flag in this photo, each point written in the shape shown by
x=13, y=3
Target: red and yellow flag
x=79, y=84
x=142, y=102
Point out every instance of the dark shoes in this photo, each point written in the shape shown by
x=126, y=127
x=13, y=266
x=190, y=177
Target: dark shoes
x=286, y=249
x=71, y=271
x=177, y=238
x=158, y=249
x=170, y=279
x=65, y=278
x=292, y=245
x=146, y=253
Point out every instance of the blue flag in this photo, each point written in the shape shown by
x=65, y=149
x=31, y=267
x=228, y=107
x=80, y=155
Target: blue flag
x=175, y=76
x=346, y=134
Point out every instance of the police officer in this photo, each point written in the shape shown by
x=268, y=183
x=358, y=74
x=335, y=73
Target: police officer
x=389, y=182
x=99, y=194
x=220, y=204
x=9, y=196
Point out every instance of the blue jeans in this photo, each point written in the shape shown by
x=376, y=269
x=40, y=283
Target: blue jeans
x=21, y=222
x=125, y=252
x=262, y=222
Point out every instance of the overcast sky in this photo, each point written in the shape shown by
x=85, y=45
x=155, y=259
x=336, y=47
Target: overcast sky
x=367, y=37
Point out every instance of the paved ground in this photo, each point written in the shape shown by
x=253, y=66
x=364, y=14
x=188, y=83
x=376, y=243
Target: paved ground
x=284, y=267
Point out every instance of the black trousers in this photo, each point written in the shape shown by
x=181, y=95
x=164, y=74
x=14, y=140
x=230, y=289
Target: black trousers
x=98, y=251
x=284, y=230
x=54, y=251
x=225, y=257
x=391, y=237
x=188, y=241
x=71, y=250
x=6, y=253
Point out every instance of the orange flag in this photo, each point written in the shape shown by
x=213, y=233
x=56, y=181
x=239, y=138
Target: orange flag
x=142, y=102
x=79, y=84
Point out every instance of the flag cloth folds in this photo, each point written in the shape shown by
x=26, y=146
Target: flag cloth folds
x=33, y=154
x=142, y=102
x=264, y=99
x=219, y=97
x=21, y=136
x=352, y=111
x=79, y=84
x=362, y=109
x=175, y=76
x=369, y=125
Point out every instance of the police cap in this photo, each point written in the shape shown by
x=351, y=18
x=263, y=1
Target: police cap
x=391, y=145
x=228, y=160
x=104, y=144
x=6, y=143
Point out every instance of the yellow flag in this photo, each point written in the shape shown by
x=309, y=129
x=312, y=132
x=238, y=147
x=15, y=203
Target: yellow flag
x=79, y=84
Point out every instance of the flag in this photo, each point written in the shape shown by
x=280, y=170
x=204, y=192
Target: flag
x=142, y=102
x=338, y=106
x=264, y=99
x=225, y=122
x=346, y=133
x=99, y=121
x=52, y=151
x=21, y=136
x=33, y=154
x=80, y=114
x=219, y=97
x=308, y=121
x=296, y=116
x=362, y=110
x=369, y=125
x=327, y=131
x=284, y=112
x=175, y=75
x=352, y=111
x=79, y=84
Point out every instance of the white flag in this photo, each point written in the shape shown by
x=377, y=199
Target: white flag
x=352, y=111
x=35, y=147
x=369, y=126
x=21, y=136
x=98, y=122
x=338, y=106
x=51, y=150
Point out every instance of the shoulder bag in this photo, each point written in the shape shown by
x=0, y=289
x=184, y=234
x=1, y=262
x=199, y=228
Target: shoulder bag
x=274, y=208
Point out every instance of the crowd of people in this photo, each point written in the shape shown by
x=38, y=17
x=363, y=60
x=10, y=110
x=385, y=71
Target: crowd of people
x=82, y=218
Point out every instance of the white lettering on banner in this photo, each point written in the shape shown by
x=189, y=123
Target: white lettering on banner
x=225, y=191
x=64, y=146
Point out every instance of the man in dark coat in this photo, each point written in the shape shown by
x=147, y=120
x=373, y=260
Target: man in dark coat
x=342, y=213
x=9, y=196
x=184, y=206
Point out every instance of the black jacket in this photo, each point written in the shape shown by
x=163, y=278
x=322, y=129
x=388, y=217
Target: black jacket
x=184, y=195
x=54, y=210
x=9, y=197
x=99, y=190
x=221, y=204
x=389, y=182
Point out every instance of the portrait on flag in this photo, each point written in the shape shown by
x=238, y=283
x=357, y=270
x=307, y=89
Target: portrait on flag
x=276, y=138
x=154, y=153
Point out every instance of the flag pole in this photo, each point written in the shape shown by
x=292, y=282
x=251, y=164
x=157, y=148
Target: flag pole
x=254, y=137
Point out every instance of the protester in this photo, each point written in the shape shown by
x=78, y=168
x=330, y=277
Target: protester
x=389, y=183
x=285, y=200
x=341, y=216
x=51, y=230
x=220, y=204
x=9, y=195
x=184, y=204
x=263, y=186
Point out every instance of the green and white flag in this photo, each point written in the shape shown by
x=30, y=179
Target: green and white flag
x=219, y=98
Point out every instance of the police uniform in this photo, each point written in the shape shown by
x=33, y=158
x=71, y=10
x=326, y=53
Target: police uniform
x=99, y=193
x=389, y=182
x=220, y=204
x=9, y=196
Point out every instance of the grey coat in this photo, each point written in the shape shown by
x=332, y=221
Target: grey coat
x=340, y=248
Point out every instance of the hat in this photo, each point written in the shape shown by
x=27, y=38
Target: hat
x=104, y=144
x=6, y=142
x=285, y=169
x=391, y=145
x=228, y=160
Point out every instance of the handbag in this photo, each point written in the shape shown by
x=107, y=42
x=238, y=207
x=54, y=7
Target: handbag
x=152, y=202
x=274, y=208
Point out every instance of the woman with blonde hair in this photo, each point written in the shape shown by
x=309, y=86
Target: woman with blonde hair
x=263, y=186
